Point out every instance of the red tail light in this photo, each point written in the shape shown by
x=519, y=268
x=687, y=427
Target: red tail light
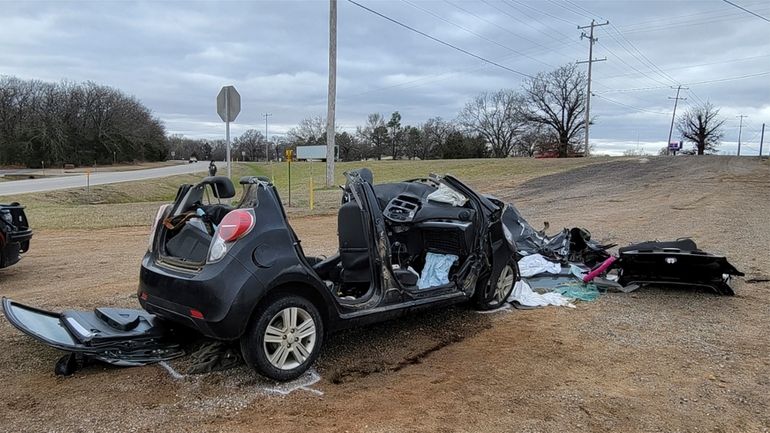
x=235, y=224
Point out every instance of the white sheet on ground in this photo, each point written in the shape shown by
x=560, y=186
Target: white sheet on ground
x=537, y=264
x=523, y=294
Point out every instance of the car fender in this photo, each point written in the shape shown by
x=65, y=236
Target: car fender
x=295, y=279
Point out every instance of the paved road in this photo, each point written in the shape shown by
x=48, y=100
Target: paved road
x=99, y=178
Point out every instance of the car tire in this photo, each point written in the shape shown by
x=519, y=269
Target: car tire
x=284, y=338
x=492, y=295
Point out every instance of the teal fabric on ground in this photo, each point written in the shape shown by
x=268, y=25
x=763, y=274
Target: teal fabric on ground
x=578, y=290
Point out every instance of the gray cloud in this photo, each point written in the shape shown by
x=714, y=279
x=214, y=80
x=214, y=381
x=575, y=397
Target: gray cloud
x=175, y=56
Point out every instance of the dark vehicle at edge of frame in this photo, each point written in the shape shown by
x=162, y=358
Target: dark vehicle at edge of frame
x=15, y=234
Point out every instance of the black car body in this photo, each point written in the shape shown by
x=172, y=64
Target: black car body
x=240, y=272
x=15, y=233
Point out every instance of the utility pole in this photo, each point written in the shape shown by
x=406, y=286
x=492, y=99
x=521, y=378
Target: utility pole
x=673, y=116
x=590, y=61
x=740, y=130
x=332, y=97
x=761, y=140
x=267, y=142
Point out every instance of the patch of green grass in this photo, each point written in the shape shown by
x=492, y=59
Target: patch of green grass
x=135, y=203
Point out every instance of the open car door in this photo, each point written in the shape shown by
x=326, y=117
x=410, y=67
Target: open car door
x=117, y=336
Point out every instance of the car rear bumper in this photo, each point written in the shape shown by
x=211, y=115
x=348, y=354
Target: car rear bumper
x=217, y=301
x=15, y=244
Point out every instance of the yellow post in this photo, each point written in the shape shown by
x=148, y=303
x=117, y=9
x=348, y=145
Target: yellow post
x=312, y=193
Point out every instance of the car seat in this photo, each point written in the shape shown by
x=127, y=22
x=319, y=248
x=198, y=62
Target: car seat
x=354, y=245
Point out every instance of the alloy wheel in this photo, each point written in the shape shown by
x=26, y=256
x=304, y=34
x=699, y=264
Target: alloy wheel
x=289, y=338
x=504, y=285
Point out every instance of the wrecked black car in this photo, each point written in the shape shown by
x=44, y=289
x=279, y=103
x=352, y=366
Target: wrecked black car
x=15, y=234
x=238, y=272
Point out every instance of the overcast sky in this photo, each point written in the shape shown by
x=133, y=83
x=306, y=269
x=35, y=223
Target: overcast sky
x=175, y=56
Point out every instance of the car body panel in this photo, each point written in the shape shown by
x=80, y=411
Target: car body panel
x=678, y=263
x=95, y=335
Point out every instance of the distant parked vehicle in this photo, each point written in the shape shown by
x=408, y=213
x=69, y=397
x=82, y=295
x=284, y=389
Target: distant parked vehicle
x=14, y=233
x=193, y=159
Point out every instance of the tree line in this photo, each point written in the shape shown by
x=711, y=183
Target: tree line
x=86, y=123
x=74, y=123
x=547, y=116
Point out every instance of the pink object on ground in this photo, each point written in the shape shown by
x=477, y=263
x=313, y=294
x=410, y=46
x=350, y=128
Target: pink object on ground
x=603, y=267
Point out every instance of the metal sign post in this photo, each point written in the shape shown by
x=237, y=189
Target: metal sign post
x=228, y=107
x=288, y=155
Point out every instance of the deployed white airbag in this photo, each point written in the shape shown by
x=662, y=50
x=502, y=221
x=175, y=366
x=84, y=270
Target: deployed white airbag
x=436, y=270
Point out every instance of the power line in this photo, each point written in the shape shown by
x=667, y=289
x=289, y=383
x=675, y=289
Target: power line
x=708, y=14
x=523, y=22
x=650, y=62
x=717, y=80
x=664, y=84
x=474, y=33
x=630, y=106
x=746, y=10
x=669, y=23
x=734, y=60
x=697, y=98
x=740, y=77
x=410, y=28
x=498, y=26
x=590, y=14
x=542, y=12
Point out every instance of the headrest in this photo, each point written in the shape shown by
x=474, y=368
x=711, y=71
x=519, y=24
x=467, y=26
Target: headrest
x=221, y=185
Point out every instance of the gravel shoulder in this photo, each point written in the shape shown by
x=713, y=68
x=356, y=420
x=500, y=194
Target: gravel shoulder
x=656, y=360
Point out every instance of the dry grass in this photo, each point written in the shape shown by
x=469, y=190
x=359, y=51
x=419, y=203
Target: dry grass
x=134, y=203
x=476, y=172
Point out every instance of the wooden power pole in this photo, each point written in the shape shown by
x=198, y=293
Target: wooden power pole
x=590, y=61
x=673, y=117
x=740, y=131
x=332, y=97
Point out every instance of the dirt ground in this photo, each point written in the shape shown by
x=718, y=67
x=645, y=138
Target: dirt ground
x=656, y=360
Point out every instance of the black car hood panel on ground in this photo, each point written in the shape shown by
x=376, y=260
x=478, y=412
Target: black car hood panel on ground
x=117, y=336
x=675, y=263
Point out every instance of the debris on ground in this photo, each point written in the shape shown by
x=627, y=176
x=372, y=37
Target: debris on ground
x=570, y=266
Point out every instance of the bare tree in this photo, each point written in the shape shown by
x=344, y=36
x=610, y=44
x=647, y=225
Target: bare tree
x=535, y=138
x=253, y=143
x=497, y=117
x=311, y=130
x=702, y=126
x=434, y=135
x=557, y=100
